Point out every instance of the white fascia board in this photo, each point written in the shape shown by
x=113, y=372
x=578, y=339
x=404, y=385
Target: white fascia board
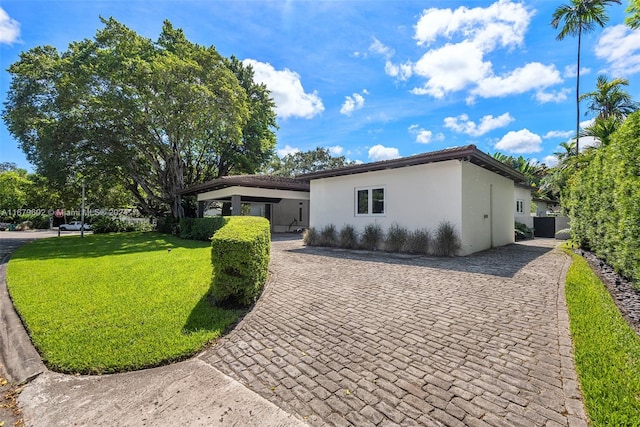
x=225, y=193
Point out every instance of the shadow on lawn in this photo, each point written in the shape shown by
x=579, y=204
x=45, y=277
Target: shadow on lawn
x=99, y=245
x=504, y=261
x=206, y=316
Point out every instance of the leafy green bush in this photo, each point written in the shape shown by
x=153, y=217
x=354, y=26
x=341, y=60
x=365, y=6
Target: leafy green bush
x=200, y=228
x=310, y=237
x=168, y=225
x=396, y=238
x=240, y=257
x=28, y=222
x=371, y=237
x=108, y=224
x=328, y=236
x=604, y=200
x=447, y=241
x=348, y=237
x=418, y=242
x=522, y=231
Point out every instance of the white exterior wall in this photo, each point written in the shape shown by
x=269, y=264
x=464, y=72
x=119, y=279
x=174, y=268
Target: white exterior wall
x=487, y=209
x=419, y=196
x=525, y=217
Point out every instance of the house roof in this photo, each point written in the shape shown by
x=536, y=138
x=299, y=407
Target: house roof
x=469, y=153
x=254, y=181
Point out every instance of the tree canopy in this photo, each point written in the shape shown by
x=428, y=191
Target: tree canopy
x=305, y=162
x=154, y=117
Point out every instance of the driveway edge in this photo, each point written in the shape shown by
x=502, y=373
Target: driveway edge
x=574, y=402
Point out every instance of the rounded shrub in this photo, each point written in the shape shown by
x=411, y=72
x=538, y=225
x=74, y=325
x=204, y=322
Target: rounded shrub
x=310, y=237
x=348, y=237
x=447, y=241
x=396, y=238
x=328, y=236
x=371, y=237
x=419, y=241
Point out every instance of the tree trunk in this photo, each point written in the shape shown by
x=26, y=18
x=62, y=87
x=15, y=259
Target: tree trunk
x=578, y=89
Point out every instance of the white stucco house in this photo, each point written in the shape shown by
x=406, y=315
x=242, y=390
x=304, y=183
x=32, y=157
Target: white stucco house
x=462, y=185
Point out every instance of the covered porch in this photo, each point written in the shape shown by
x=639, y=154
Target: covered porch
x=283, y=201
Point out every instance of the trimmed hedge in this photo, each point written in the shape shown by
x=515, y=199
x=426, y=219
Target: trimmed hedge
x=240, y=253
x=107, y=224
x=201, y=228
x=604, y=201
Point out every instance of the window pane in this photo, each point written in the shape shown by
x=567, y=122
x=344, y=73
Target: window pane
x=377, y=197
x=363, y=202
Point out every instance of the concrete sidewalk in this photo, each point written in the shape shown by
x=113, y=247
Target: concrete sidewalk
x=192, y=393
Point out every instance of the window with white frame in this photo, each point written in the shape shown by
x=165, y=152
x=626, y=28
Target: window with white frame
x=520, y=206
x=369, y=201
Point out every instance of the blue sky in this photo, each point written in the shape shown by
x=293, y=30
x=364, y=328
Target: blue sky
x=372, y=80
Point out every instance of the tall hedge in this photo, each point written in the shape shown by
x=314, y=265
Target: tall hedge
x=604, y=201
x=240, y=253
x=200, y=228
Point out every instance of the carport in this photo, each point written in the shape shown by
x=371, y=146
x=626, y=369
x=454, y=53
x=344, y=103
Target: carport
x=283, y=201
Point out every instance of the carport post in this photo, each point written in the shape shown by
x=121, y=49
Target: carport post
x=236, y=205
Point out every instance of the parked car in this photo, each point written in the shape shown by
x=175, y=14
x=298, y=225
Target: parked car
x=74, y=226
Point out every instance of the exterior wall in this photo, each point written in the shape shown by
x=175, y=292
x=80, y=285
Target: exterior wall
x=487, y=209
x=525, y=217
x=285, y=216
x=419, y=196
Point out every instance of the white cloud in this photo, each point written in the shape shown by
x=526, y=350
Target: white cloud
x=450, y=68
x=587, y=123
x=550, y=161
x=522, y=141
x=462, y=124
x=352, y=103
x=401, y=71
x=287, y=91
x=552, y=96
x=379, y=48
x=570, y=71
x=424, y=136
x=503, y=23
x=9, y=28
x=470, y=34
x=563, y=134
x=619, y=46
x=380, y=152
x=532, y=76
x=336, y=150
x=287, y=150
x=588, y=141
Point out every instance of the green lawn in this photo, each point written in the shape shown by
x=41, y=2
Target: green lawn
x=116, y=302
x=607, y=350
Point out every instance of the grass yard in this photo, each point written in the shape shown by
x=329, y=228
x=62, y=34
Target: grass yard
x=607, y=350
x=116, y=302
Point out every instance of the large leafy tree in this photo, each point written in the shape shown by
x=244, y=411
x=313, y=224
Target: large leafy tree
x=305, y=162
x=154, y=117
x=580, y=17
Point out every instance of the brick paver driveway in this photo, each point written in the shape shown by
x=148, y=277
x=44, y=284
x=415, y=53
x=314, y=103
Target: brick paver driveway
x=347, y=338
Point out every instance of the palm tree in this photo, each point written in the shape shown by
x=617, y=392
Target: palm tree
x=580, y=16
x=633, y=14
x=602, y=129
x=568, y=150
x=609, y=100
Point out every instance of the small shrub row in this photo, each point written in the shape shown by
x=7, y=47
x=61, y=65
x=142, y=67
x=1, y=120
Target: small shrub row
x=200, y=228
x=28, y=222
x=445, y=240
x=240, y=253
x=109, y=224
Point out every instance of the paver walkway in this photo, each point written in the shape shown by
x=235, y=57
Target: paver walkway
x=346, y=338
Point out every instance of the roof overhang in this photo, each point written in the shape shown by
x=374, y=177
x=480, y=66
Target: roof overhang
x=467, y=153
x=252, y=194
x=266, y=182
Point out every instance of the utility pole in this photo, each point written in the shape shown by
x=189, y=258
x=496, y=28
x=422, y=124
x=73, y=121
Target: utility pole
x=82, y=214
